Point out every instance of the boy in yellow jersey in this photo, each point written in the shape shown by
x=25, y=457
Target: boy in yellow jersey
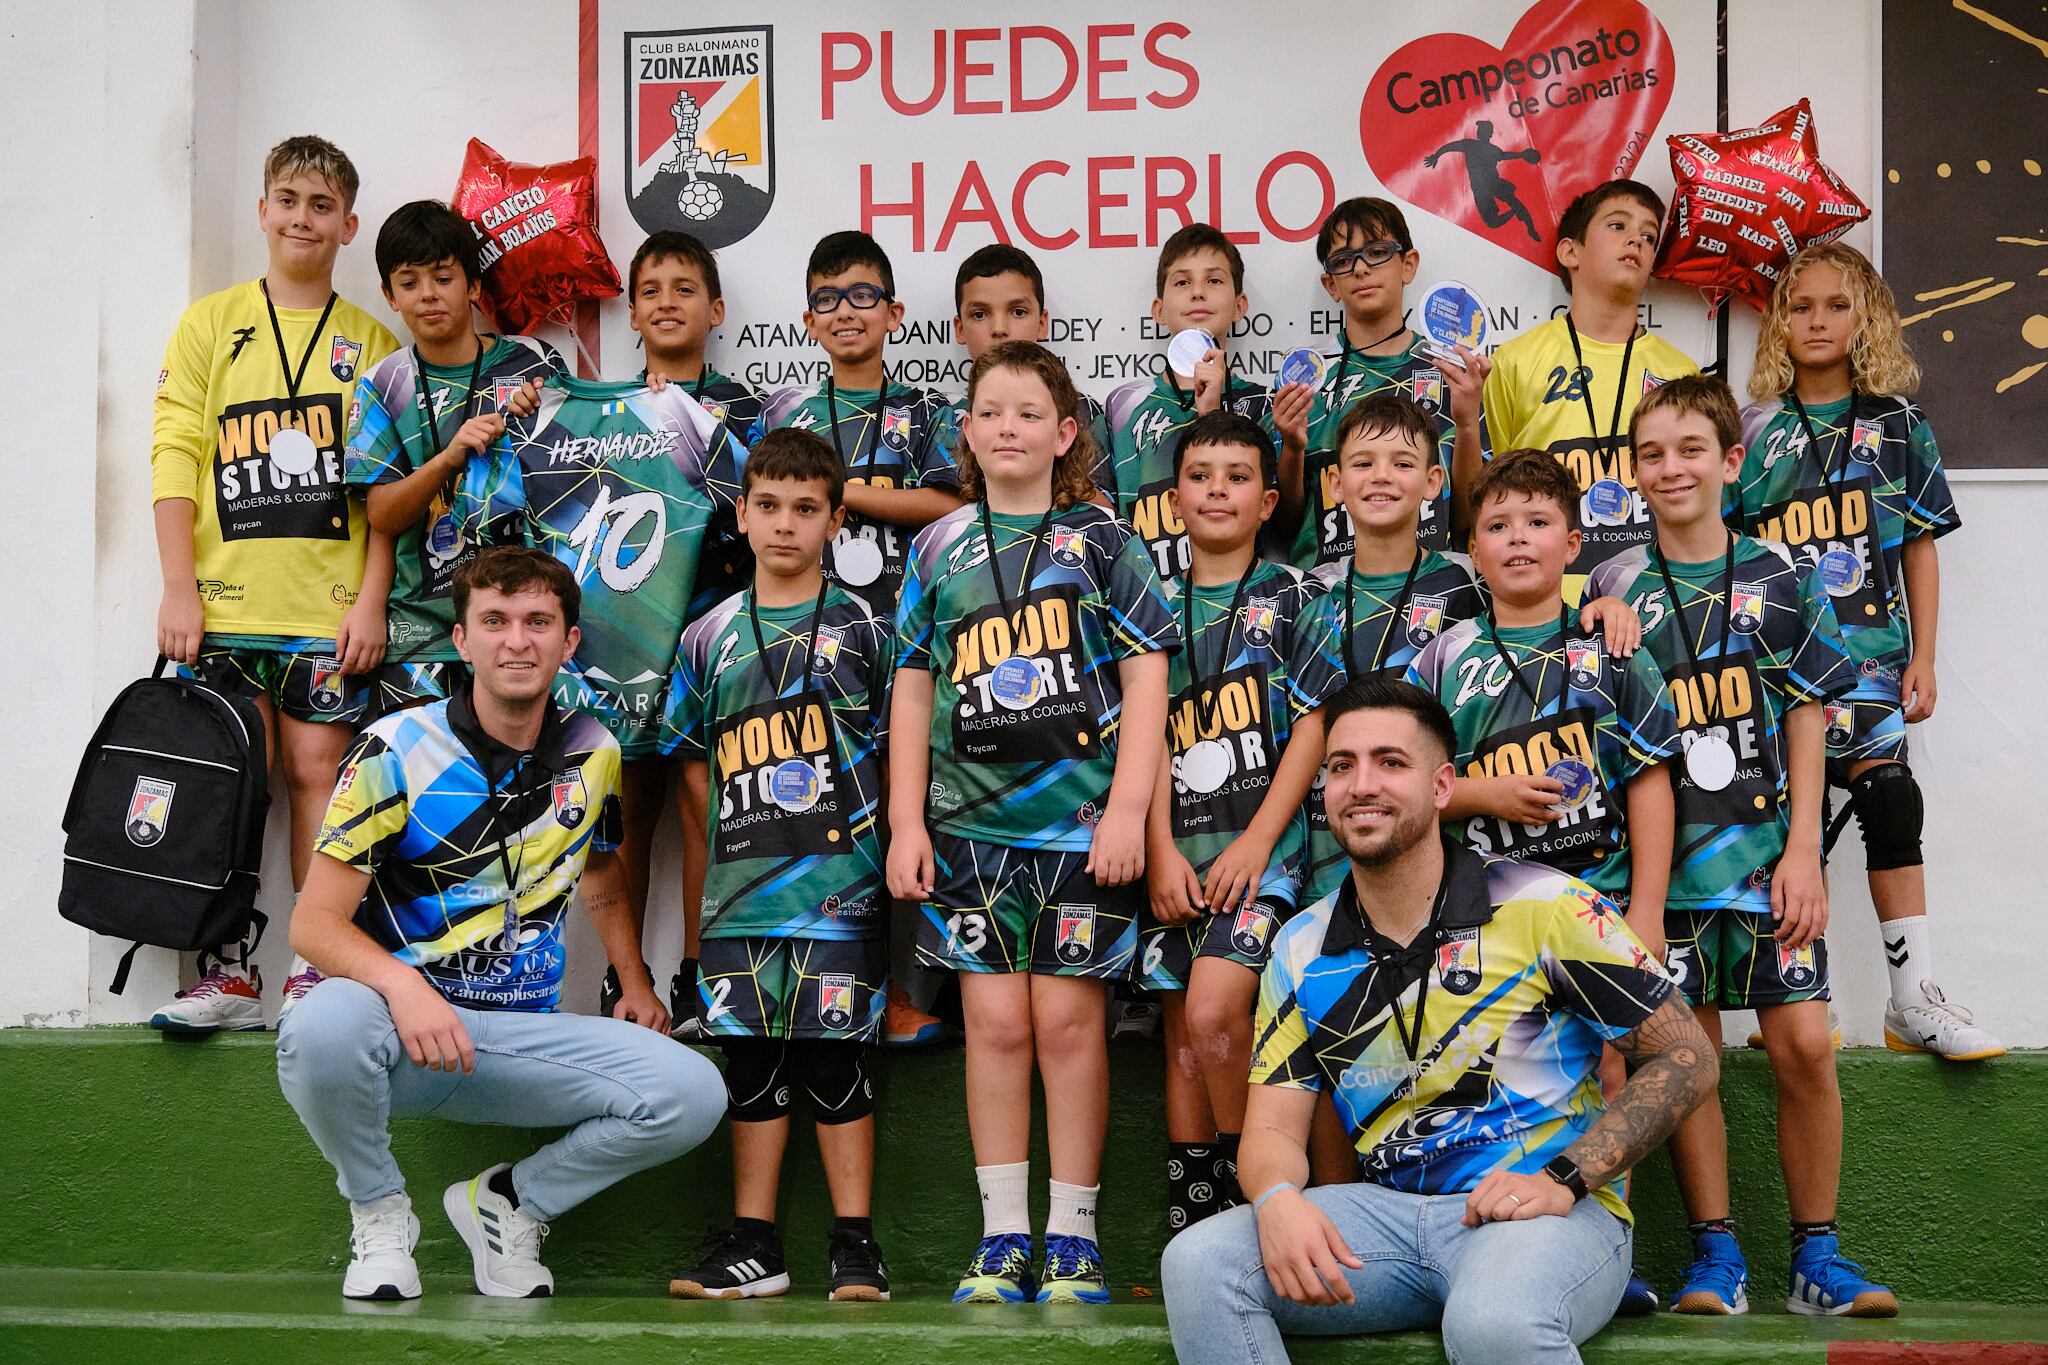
x=273, y=583
x=1571, y=385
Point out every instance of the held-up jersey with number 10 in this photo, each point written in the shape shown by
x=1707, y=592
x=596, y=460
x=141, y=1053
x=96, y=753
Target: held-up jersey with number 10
x=1025, y=760
x=1536, y=396
x=913, y=449
x=793, y=744
x=1884, y=489
x=277, y=549
x=391, y=439
x=618, y=482
x=1782, y=649
x=1598, y=722
x=1147, y=418
x=1224, y=736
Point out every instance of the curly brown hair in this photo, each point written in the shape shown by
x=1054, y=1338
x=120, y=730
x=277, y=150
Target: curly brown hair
x=1534, y=472
x=1070, y=479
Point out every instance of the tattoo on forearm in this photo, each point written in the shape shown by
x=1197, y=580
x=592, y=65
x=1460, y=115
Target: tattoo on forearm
x=1672, y=1068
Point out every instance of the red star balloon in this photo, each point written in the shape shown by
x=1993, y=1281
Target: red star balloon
x=536, y=230
x=1748, y=202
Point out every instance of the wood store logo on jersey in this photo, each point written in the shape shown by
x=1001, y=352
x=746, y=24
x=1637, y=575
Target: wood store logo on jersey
x=700, y=130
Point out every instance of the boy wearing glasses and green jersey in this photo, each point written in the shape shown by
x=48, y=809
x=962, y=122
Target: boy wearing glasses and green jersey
x=1368, y=258
x=891, y=438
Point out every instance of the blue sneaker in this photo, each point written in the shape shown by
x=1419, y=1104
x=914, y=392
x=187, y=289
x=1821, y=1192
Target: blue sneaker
x=1000, y=1271
x=1073, y=1272
x=1718, y=1279
x=1637, y=1299
x=1826, y=1285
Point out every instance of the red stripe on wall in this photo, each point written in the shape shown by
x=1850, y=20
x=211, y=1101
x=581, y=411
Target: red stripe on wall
x=586, y=323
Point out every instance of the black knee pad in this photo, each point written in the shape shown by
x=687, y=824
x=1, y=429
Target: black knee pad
x=1890, y=812
x=756, y=1078
x=835, y=1075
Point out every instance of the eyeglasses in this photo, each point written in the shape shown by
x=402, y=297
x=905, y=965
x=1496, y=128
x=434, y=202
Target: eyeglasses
x=1374, y=254
x=826, y=299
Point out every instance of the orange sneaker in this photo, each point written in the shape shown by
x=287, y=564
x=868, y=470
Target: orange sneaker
x=905, y=1025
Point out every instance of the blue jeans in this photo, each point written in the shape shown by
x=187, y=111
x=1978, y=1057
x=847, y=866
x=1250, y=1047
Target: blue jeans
x=1523, y=1292
x=630, y=1097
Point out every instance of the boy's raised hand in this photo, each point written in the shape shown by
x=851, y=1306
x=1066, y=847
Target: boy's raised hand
x=1210, y=377
x=474, y=437
x=1291, y=406
x=1618, y=623
x=525, y=402
x=1465, y=386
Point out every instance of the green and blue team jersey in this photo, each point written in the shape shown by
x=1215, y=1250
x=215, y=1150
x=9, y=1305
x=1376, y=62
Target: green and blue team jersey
x=1376, y=623
x=727, y=562
x=1227, y=727
x=1026, y=694
x=1849, y=508
x=910, y=446
x=1595, y=722
x=1092, y=419
x=473, y=849
x=1147, y=418
x=793, y=740
x=1768, y=645
x=390, y=437
x=620, y=483
x=1326, y=536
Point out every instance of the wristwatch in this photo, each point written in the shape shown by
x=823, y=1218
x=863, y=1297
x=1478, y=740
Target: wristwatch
x=1565, y=1172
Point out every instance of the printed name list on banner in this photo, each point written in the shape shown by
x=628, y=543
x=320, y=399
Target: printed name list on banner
x=1088, y=136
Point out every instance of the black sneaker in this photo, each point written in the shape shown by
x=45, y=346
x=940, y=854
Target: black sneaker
x=685, y=1008
x=732, y=1265
x=610, y=994
x=858, y=1275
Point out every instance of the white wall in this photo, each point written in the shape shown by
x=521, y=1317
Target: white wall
x=131, y=172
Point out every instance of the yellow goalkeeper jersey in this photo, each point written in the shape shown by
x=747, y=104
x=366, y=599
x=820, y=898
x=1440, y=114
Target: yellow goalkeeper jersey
x=277, y=542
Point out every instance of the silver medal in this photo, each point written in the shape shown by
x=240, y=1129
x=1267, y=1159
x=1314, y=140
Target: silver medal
x=1205, y=766
x=292, y=453
x=857, y=560
x=1710, y=763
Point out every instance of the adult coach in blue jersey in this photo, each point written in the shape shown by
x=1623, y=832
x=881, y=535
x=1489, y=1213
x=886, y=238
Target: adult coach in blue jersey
x=1454, y=1006
x=434, y=908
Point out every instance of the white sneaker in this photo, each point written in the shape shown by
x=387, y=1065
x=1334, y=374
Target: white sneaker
x=1932, y=1024
x=504, y=1242
x=220, y=1000
x=385, y=1234
x=303, y=978
x=1137, y=1021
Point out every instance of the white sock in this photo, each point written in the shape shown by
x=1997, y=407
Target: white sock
x=1005, y=1206
x=1073, y=1210
x=1907, y=958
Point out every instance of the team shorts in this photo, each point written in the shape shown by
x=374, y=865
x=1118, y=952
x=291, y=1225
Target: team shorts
x=1867, y=723
x=635, y=721
x=998, y=909
x=301, y=676
x=1167, y=952
x=394, y=687
x=1727, y=958
x=788, y=988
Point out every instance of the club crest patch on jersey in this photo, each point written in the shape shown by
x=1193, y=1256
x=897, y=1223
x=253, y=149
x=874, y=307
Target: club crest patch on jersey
x=716, y=411
x=149, y=811
x=1251, y=929
x=1841, y=722
x=1652, y=381
x=896, y=428
x=1457, y=961
x=324, y=691
x=1746, y=607
x=1069, y=543
x=1259, y=615
x=825, y=648
x=700, y=130
x=835, y=999
x=1796, y=966
x=1427, y=388
x=569, y=798
x=1076, y=940
x=342, y=356
x=1582, y=661
x=503, y=391
x=1426, y=618
x=1866, y=442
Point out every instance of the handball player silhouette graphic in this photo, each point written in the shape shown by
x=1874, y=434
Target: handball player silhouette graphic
x=1490, y=190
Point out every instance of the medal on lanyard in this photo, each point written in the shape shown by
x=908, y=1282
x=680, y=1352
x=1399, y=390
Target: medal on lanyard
x=1608, y=501
x=1207, y=763
x=795, y=784
x=1710, y=758
x=292, y=452
x=856, y=559
x=1014, y=682
x=443, y=537
x=1841, y=573
x=1574, y=775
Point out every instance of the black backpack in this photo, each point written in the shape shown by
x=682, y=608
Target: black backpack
x=164, y=829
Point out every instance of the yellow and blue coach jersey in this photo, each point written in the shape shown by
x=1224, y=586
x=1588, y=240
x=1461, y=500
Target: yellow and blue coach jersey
x=1521, y=977
x=473, y=849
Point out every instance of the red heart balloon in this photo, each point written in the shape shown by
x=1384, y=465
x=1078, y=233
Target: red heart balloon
x=536, y=229
x=1748, y=202
x=1498, y=140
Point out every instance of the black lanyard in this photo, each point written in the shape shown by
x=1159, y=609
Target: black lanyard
x=284, y=361
x=1344, y=340
x=476, y=369
x=874, y=433
x=1409, y=1030
x=1710, y=708
x=810, y=647
x=1832, y=483
x=1351, y=668
x=1586, y=388
x=1205, y=717
x=1563, y=638
x=988, y=531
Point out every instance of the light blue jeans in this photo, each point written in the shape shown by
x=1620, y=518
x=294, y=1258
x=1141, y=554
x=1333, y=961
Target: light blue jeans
x=631, y=1098
x=1525, y=1292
